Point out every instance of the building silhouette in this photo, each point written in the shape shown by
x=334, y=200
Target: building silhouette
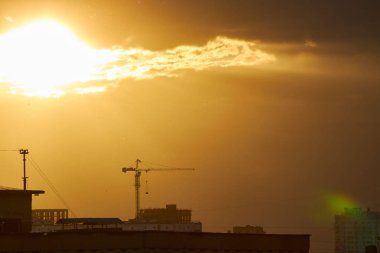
x=16, y=223
x=150, y=219
x=356, y=229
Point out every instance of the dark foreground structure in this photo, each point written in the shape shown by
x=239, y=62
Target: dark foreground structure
x=16, y=224
x=16, y=209
x=152, y=241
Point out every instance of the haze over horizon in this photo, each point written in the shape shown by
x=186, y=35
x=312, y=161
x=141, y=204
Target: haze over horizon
x=275, y=103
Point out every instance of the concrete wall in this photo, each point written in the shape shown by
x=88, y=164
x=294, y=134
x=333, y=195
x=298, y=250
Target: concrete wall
x=150, y=241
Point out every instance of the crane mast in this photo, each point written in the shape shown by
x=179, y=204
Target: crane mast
x=137, y=185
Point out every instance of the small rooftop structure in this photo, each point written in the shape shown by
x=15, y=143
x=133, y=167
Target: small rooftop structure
x=16, y=209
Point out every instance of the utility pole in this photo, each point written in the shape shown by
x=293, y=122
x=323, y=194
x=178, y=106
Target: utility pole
x=24, y=152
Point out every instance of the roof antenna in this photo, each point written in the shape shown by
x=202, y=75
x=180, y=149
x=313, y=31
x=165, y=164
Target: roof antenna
x=24, y=152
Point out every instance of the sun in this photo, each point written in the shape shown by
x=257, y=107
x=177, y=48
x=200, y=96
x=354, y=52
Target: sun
x=42, y=57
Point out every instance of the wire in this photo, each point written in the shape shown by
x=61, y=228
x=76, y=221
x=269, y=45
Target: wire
x=51, y=185
x=6, y=150
x=157, y=164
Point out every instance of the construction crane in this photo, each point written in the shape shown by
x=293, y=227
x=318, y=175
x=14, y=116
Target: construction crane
x=138, y=171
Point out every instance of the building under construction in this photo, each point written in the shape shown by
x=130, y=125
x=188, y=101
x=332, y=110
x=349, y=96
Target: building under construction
x=48, y=216
x=164, y=219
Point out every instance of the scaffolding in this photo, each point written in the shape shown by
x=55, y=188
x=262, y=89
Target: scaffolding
x=49, y=216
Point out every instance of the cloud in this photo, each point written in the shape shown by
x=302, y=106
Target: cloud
x=45, y=59
x=220, y=52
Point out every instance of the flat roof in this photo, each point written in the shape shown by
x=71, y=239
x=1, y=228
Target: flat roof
x=90, y=221
x=19, y=191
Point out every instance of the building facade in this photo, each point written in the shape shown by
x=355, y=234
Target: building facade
x=356, y=229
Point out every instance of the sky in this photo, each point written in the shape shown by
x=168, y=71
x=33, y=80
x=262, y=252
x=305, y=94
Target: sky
x=274, y=103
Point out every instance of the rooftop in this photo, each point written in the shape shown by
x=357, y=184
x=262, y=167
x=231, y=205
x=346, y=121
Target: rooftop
x=90, y=221
x=10, y=190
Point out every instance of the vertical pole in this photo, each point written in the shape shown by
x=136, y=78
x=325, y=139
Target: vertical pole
x=24, y=152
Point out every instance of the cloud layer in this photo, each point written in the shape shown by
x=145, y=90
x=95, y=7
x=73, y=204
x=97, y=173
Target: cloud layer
x=220, y=52
x=46, y=59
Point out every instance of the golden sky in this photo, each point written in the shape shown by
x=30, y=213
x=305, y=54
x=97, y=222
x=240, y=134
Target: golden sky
x=274, y=103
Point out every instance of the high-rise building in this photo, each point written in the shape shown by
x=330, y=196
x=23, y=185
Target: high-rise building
x=355, y=229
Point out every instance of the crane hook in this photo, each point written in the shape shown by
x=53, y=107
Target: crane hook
x=146, y=183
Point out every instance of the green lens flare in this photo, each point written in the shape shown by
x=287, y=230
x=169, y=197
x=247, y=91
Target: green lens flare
x=326, y=205
x=336, y=203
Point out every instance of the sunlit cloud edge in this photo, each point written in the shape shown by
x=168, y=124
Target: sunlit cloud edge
x=106, y=67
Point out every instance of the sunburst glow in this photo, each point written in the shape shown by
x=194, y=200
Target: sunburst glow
x=40, y=57
x=44, y=58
